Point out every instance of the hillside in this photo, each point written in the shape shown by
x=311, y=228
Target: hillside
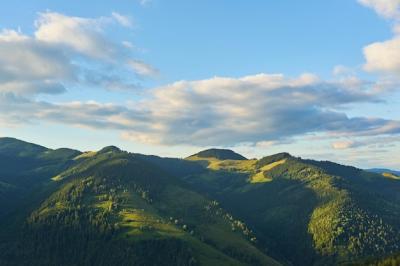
x=133, y=213
x=111, y=207
x=26, y=168
x=307, y=211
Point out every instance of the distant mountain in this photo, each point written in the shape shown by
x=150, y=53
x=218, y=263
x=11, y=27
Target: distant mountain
x=15, y=147
x=25, y=168
x=220, y=154
x=383, y=170
x=111, y=207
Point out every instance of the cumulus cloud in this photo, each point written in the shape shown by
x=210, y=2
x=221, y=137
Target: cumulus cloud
x=66, y=50
x=384, y=56
x=84, y=35
x=261, y=108
x=224, y=111
x=29, y=67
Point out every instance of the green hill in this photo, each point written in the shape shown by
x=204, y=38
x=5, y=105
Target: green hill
x=114, y=208
x=220, y=154
x=306, y=211
x=111, y=207
x=25, y=171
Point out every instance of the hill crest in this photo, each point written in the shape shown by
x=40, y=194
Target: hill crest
x=220, y=154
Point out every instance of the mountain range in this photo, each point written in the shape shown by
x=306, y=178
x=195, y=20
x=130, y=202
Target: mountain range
x=215, y=207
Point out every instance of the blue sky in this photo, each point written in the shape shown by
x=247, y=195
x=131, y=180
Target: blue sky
x=318, y=79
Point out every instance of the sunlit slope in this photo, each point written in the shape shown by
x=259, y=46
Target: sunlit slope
x=118, y=203
x=391, y=176
x=312, y=212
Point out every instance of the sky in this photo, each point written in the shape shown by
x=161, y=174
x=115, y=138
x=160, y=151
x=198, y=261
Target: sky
x=318, y=79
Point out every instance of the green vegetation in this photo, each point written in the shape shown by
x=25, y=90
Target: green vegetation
x=310, y=212
x=262, y=175
x=114, y=208
x=64, y=207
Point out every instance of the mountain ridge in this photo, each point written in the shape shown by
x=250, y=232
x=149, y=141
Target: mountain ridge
x=221, y=154
x=278, y=210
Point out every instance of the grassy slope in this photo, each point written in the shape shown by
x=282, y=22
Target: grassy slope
x=133, y=201
x=314, y=212
x=392, y=176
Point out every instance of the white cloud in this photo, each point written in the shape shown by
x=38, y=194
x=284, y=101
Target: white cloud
x=383, y=57
x=386, y=8
x=28, y=67
x=375, y=141
x=341, y=145
x=224, y=111
x=123, y=20
x=143, y=69
x=263, y=109
x=83, y=35
x=8, y=35
x=66, y=51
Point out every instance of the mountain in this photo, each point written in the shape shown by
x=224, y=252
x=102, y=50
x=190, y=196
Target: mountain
x=306, y=211
x=26, y=168
x=111, y=207
x=219, y=154
x=386, y=172
x=114, y=208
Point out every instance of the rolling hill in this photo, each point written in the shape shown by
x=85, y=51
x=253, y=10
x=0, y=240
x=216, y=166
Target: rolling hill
x=114, y=208
x=111, y=207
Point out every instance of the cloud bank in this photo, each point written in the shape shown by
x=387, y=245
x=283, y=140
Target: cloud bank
x=220, y=111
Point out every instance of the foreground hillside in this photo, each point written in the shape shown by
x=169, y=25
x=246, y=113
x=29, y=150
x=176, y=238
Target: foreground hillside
x=311, y=212
x=65, y=207
x=114, y=208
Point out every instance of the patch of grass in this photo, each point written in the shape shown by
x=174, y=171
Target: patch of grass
x=139, y=222
x=391, y=176
x=261, y=176
x=226, y=165
x=85, y=155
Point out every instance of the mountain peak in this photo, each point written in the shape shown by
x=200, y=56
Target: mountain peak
x=110, y=149
x=19, y=147
x=221, y=154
